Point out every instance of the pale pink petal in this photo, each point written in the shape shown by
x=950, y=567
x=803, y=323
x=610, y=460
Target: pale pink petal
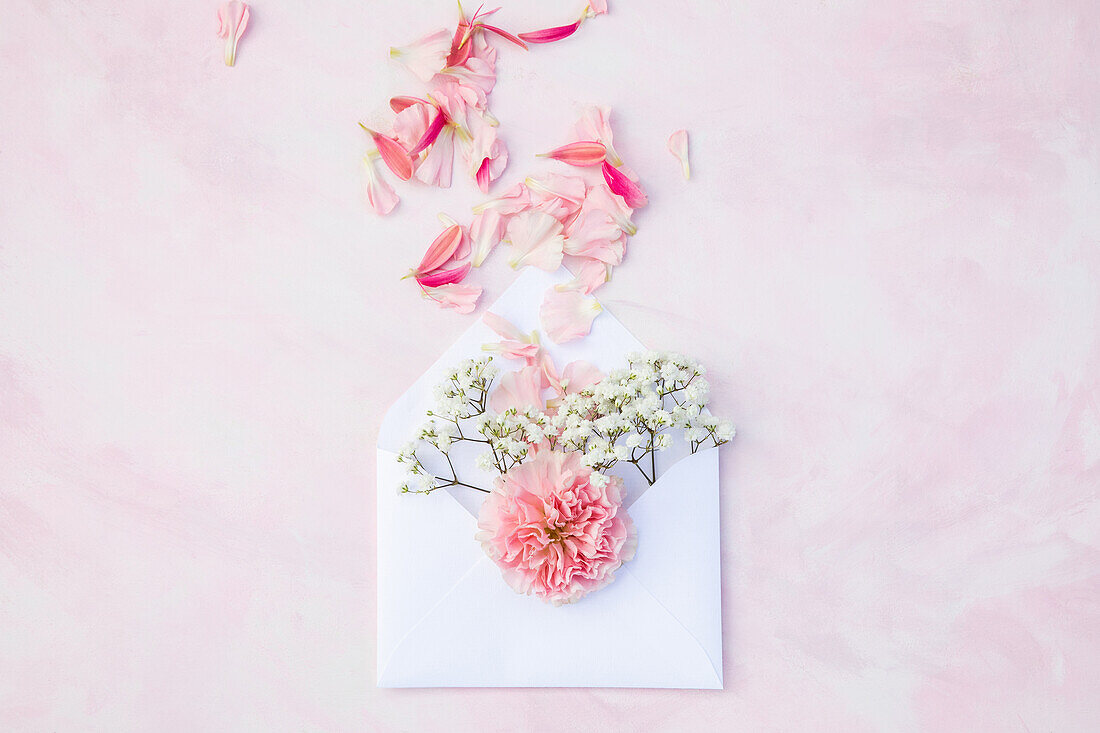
x=571, y=189
x=484, y=154
x=567, y=315
x=393, y=154
x=400, y=104
x=593, y=233
x=410, y=124
x=596, y=7
x=232, y=20
x=462, y=298
x=492, y=166
x=577, y=376
x=436, y=168
x=602, y=197
x=516, y=200
x=380, y=195
x=678, y=146
x=441, y=250
x=588, y=276
x=536, y=239
x=474, y=72
x=595, y=125
x=514, y=344
x=426, y=56
x=520, y=390
x=486, y=231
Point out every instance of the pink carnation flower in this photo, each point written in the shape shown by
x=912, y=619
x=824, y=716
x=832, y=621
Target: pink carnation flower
x=556, y=528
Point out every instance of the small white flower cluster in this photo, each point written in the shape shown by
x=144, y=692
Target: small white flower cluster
x=627, y=416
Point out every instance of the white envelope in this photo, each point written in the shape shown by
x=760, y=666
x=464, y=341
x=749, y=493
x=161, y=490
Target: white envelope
x=446, y=617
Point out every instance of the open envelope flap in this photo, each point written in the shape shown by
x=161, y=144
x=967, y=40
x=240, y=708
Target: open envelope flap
x=657, y=625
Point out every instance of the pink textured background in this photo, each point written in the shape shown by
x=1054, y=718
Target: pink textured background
x=889, y=259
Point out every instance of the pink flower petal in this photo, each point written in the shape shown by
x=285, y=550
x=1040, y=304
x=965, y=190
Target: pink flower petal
x=393, y=155
x=517, y=199
x=504, y=34
x=441, y=250
x=536, y=239
x=583, y=153
x=514, y=344
x=596, y=7
x=430, y=133
x=486, y=231
x=678, y=146
x=411, y=123
x=567, y=315
x=520, y=390
x=602, y=197
x=400, y=104
x=232, y=21
x=380, y=195
x=595, y=125
x=588, y=277
x=631, y=192
x=443, y=277
x=438, y=164
x=426, y=56
x=461, y=298
x=549, y=35
x=577, y=376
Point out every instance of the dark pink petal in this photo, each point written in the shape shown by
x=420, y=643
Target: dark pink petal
x=393, y=155
x=549, y=35
x=631, y=192
x=444, y=277
x=505, y=35
x=430, y=134
x=581, y=154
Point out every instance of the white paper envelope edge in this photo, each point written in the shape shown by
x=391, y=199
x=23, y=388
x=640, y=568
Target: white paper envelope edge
x=446, y=618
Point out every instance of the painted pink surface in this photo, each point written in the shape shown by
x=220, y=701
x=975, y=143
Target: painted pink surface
x=887, y=255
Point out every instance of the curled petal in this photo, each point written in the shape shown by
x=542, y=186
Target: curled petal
x=232, y=21
x=596, y=7
x=583, y=153
x=678, y=146
x=437, y=166
x=444, y=277
x=462, y=298
x=536, y=239
x=380, y=195
x=549, y=35
x=441, y=250
x=431, y=133
x=486, y=231
x=618, y=182
x=567, y=316
x=426, y=56
x=400, y=104
x=521, y=390
x=393, y=155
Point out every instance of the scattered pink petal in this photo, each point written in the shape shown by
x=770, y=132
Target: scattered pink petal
x=595, y=125
x=437, y=166
x=517, y=199
x=519, y=390
x=584, y=153
x=596, y=7
x=380, y=195
x=461, y=298
x=411, y=123
x=618, y=182
x=567, y=315
x=588, y=277
x=576, y=377
x=426, y=56
x=485, y=155
x=430, y=133
x=514, y=344
x=551, y=185
x=549, y=35
x=441, y=250
x=399, y=104
x=536, y=239
x=602, y=197
x=444, y=277
x=393, y=155
x=678, y=146
x=504, y=34
x=474, y=72
x=486, y=231
x=232, y=21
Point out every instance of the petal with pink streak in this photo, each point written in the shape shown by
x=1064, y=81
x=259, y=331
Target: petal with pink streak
x=438, y=164
x=380, y=194
x=424, y=57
